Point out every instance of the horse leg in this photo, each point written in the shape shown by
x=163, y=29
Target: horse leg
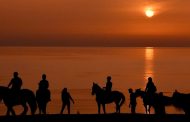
x=44, y=108
x=25, y=109
x=117, y=107
x=12, y=111
x=98, y=108
x=40, y=109
x=149, y=109
x=145, y=106
x=104, y=108
x=8, y=111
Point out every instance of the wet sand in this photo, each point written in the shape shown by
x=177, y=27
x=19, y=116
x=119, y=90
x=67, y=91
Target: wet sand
x=97, y=118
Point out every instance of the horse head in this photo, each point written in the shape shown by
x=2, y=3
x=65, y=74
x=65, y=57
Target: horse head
x=139, y=92
x=95, y=88
x=175, y=94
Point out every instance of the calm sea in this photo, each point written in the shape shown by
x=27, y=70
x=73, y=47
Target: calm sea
x=77, y=68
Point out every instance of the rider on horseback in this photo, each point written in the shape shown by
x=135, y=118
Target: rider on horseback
x=109, y=84
x=150, y=89
x=44, y=84
x=43, y=95
x=15, y=83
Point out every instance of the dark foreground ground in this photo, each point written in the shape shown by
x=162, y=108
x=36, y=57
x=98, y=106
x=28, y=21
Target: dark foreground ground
x=97, y=118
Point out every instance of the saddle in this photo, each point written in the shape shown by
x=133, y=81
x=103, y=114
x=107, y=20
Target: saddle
x=107, y=94
x=43, y=95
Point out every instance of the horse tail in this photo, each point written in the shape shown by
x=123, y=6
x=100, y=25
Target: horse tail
x=122, y=100
x=31, y=100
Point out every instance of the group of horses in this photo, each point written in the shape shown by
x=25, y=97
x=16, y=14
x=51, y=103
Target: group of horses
x=158, y=101
x=24, y=97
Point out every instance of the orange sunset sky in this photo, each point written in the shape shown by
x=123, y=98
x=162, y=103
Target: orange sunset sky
x=94, y=23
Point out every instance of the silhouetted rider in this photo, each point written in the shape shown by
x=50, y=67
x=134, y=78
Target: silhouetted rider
x=15, y=82
x=43, y=84
x=109, y=84
x=43, y=95
x=150, y=87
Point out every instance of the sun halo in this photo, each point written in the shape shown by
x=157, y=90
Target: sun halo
x=149, y=12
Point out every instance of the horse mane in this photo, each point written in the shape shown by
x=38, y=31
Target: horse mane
x=96, y=85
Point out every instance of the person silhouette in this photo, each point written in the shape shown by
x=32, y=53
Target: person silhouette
x=43, y=95
x=66, y=97
x=133, y=101
x=150, y=87
x=108, y=84
x=44, y=84
x=15, y=83
x=150, y=90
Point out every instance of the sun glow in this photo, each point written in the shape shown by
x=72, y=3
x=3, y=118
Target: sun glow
x=149, y=59
x=149, y=53
x=149, y=12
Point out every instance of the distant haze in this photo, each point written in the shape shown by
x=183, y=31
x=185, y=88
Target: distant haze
x=94, y=23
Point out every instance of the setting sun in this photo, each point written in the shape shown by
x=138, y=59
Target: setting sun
x=149, y=12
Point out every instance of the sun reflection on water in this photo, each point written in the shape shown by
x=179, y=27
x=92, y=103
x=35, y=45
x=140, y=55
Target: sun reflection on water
x=149, y=57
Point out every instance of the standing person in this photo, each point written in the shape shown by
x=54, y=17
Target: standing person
x=109, y=84
x=43, y=95
x=66, y=97
x=133, y=101
x=15, y=83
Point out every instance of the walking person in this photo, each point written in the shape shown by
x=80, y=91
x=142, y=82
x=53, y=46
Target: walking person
x=66, y=98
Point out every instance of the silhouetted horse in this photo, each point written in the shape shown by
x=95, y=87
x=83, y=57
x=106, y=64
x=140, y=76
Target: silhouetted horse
x=158, y=101
x=42, y=98
x=103, y=97
x=23, y=97
x=181, y=101
x=148, y=103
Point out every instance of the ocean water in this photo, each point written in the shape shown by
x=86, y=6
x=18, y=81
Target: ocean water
x=78, y=67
